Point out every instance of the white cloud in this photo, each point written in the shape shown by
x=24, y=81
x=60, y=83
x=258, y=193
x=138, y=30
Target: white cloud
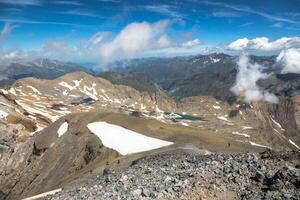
x=264, y=44
x=67, y=2
x=239, y=44
x=80, y=12
x=7, y=55
x=110, y=1
x=27, y=21
x=166, y=10
x=245, y=85
x=250, y=11
x=163, y=42
x=290, y=58
x=98, y=38
x=226, y=14
x=5, y=32
x=136, y=38
x=15, y=54
x=191, y=43
x=278, y=25
x=22, y=2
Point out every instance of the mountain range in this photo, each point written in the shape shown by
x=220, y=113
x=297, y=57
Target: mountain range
x=58, y=119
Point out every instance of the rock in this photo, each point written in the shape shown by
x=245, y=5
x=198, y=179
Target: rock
x=168, y=179
x=259, y=176
x=288, y=175
x=137, y=193
x=106, y=171
x=265, y=154
x=210, y=175
x=146, y=192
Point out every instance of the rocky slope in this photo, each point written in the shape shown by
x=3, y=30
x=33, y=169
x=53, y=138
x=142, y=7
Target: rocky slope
x=76, y=152
x=186, y=174
x=47, y=100
x=48, y=160
x=179, y=77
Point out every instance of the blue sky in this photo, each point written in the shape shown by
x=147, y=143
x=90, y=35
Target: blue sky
x=43, y=25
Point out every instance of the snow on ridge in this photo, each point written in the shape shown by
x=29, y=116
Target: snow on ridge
x=34, y=89
x=279, y=125
x=4, y=91
x=35, y=110
x=12, y=91
x=62, y=129
x=77, y=82
x=64, y=84
x=91, y=92
x=215, y=60
x=124, y=140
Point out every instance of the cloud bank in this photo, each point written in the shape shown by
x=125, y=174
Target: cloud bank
x=246, y=82
x=136, y=38
x=290, y=60
x=191, y=43
x=264, y=44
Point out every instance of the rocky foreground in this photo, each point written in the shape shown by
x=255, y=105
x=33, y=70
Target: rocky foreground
x=186, y=175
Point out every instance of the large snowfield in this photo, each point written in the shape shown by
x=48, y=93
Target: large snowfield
x=123, y=140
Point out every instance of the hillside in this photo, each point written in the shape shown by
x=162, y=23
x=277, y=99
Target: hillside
x=179, y=77
x=12, y=70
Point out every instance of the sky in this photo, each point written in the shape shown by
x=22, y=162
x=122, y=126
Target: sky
x=107, y=30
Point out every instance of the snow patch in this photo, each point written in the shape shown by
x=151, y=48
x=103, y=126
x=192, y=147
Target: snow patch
x=123, y=140
x=12, y=91
x=77, y=82
x=158, y=110
x=259, y=145
x=73, y=95
x=3, y=114
x=275, y=122
x=4, y=91
x=63, y=129
x=293, y=143
x=246, y=127
x=223, y=118
x=184, y=124
x=64, y=84
x=91, y=92
x=43, y=194
x=241, y=134
x=65, y=92
x=216, y=107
